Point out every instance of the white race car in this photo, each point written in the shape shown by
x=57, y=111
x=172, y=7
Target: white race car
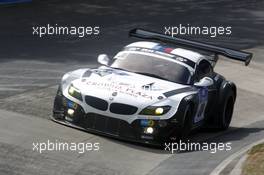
x=150, y=91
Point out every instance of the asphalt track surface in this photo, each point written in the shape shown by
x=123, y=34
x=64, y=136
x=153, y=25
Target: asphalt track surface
x=31, y=68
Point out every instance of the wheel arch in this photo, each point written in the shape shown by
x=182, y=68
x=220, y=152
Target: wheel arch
x=234, y=88
x=225, y=86
x=188, y=100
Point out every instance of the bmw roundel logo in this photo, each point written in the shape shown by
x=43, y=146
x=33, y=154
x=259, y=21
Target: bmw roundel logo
x=111, y=98
x=160, y=97
x=114, y=94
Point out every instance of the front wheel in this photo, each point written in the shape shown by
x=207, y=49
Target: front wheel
x=184, y=132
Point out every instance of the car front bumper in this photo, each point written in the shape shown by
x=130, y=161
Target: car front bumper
x=137, y=131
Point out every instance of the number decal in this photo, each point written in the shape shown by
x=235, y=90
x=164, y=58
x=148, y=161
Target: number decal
x=203, y=98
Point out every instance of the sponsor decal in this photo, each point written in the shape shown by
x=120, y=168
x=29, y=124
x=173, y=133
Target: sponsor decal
x=152, y=87
x=105, y=72
x=64, y=102
x=203, y=97
x=145, y=122
x=149, y=117
x=163, y=51
x=72, y=104
x=147, y=137
x=120, y=88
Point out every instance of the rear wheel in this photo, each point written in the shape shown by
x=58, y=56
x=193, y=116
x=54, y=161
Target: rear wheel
x=226, y=111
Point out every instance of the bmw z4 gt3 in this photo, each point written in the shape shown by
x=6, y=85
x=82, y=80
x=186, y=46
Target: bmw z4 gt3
x=150, y=91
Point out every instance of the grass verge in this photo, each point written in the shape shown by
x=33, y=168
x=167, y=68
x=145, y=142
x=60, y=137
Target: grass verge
x=254, y=165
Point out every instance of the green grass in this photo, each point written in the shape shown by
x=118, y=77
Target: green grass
x=257, y=149
x=254, y=165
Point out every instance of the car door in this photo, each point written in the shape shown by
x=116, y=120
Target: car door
x=206, y=95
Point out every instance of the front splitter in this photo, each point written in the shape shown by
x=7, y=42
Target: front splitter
x=93, y=131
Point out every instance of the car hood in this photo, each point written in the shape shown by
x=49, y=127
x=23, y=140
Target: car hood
x=123, y=87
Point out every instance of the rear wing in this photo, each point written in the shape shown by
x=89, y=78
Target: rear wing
x=230, y=53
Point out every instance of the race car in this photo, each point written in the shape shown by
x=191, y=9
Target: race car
x=151, y=91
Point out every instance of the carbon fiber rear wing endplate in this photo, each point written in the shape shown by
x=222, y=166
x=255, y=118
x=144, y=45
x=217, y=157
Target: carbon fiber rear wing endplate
x=230, y=53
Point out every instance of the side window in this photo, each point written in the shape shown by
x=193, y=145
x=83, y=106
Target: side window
x=203, y=69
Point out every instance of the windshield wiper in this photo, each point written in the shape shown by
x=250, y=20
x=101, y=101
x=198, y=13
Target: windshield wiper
x=119, y=68
x=151, y=75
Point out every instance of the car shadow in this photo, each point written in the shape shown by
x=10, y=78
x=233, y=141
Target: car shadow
x=204, y=136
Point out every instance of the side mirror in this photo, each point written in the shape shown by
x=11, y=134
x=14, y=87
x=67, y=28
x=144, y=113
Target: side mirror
x=204, y=82
x=103, y=59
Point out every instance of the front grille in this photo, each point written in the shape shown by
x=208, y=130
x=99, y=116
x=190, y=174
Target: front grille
x=96, y=103
x=108, y=125
x=124, y=109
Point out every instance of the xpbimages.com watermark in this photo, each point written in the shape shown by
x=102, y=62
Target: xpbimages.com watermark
x=192, y=146
x=212, y=31
x=79, y=31
x=56, y=145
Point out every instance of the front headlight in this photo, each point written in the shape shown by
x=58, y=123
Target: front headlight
x=155, y=110
x=74, y=92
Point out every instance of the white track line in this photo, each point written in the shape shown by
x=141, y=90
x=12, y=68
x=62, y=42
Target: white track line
x=228, y=160
x=11, y=89
x=27, y=77
x=22, y=85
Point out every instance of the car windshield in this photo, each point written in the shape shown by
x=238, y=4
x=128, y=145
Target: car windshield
x=152, y=66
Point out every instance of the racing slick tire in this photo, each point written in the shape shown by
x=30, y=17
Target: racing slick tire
x=184, y=132
x=225, y=112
